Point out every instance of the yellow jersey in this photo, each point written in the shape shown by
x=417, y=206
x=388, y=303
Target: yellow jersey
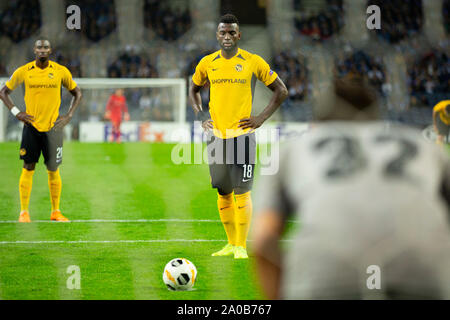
x=232, y=85
x=440, y=108
x=42, y=91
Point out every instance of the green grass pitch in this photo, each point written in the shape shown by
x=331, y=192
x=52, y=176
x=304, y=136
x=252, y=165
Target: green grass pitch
x=129, y=181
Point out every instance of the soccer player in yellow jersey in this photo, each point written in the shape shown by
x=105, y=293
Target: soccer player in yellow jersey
x=232, y=74
x=441, y=120
x=42, y=130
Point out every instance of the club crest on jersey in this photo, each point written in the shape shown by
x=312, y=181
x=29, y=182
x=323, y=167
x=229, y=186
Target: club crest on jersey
x=238, y=67
x=50, y=75
x=23, y=152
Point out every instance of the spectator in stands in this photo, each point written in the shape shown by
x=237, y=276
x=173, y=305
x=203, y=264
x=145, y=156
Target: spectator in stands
x=446, y=15
x=323, y=25
x=360, y=63
x=400, y=18
x=291, y=67
x=429, y=78
x=69, y=58
x=130, y=64
x=20, y=19
x=169, y=24
x=98, y=16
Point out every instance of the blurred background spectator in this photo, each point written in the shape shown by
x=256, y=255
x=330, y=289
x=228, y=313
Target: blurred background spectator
x=360, y=63
x=167, y=22
x=69, y=58
x=399, y=19
x=429, y=78
x=445, y=15
x=98, y=17
x=324, y=24
x=291, y=68
x=131, y=64
x=20, y=19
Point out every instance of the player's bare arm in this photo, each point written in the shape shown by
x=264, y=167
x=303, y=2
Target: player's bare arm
x=65, y=119
x=280, y=93
x=196, y=102
x=267, y=231
x=22, y=116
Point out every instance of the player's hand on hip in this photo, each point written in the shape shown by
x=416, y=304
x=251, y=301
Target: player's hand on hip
x=252, y=122
x=126, y=117
x=197, y=108
x=207, y=125
x=25, y=117
x=62, y=121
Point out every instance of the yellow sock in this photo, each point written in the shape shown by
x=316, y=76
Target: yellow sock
x=244, y=209
x=55, y=185
x=25, y=184
x=225, y=204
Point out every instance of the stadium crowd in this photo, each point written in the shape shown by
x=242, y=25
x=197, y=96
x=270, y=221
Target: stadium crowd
x=168, y=23
x=99, y=17
x=130, y=64
x=323, y=25
x=445, y=15
x=291, y=68
x=429, y=78
x=20, y=19
x=400, y=18
x=359, y=62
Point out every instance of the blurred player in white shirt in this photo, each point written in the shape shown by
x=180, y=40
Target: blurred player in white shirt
x=366, y=194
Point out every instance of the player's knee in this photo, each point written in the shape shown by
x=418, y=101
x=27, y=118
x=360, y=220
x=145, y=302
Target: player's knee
x=241, y=190
x=52, y=167
x=223, y=191
x=29, y=166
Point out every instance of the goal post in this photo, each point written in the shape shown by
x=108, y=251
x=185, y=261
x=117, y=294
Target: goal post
x=164, y=97
x=179, y=85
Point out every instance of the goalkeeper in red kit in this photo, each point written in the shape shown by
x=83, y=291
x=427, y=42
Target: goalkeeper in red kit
x=116, y=110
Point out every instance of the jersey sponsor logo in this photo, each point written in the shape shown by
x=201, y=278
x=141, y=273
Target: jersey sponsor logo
x=214, y=69
x=23, y=152
x=270, y=72
x=239, y=67
x=245, y=180
x=221, y=81
x=50, y=75
x=45, y=86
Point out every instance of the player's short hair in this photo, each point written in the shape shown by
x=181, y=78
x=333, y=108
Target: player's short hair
x=351, y=98
x=43, y=38
x=229, y=18
x=447, y=109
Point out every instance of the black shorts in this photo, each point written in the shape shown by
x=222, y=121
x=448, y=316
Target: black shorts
x=49, y=143
x=232, y=162
x=443, y=129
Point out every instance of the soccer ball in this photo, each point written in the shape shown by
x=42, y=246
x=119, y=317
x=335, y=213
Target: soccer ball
x=179, y=274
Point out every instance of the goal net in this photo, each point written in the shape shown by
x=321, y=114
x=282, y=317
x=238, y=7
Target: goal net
x=156, y=107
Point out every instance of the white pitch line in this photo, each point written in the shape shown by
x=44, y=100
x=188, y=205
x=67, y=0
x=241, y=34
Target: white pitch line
x=124, y=221
x=107, y=241
x=117, y=221
x=116, y=241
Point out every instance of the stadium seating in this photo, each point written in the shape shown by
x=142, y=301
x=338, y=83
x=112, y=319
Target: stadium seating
x=99, y=17
x=400, y=18
x=20, y=19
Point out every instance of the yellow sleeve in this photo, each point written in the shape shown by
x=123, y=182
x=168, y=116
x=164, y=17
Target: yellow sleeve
x=67, y=80
x=441, y=105
x=263, y=71
x=200, y=76
x=16, y=79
